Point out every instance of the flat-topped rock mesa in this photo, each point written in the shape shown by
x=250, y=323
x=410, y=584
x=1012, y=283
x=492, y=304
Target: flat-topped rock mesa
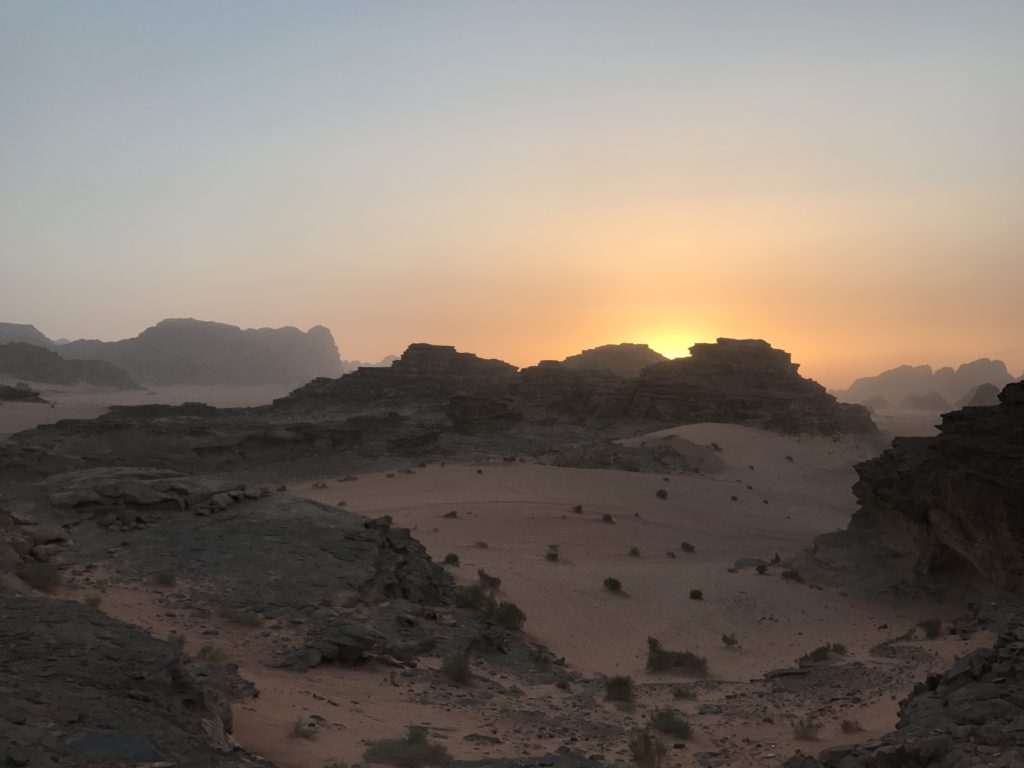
x=622, y=359
x=898, y=384
x=187, y=351
x=29, y=362
x=746, y=382
x=424, y=372
x=20, y=393
x=939, y=511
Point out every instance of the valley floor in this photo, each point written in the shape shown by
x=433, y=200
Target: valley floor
x=758, y=495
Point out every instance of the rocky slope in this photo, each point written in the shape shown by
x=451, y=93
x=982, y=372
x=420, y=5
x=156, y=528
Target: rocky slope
x=25, y=334
x=969, y=717
x=83, y=689
x=34, y=363
x=940, y=510
x=186, y=351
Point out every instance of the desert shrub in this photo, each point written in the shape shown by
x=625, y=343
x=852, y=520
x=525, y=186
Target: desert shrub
x=42, y=576
x=823, y=652
x=661, y=493
x=668, y=721
x=241, y=616
x=607, y=518
x=791, y=574
x=481, y=545
x=509, y=616
x=696, y=594
x=671, y=555
x=578, y=509
x=806, y=729
x=94, y=601
x=789, y=458
x=488, y=582
x=211, y=654
x=931, y=627
x=618, y=688
x=165, y=578
x=456, y=668
x=452, y=559
x=661, y=660
x=647, y=751
x=612, y=584
x=850, y=726
x=415, y=750
x=562, y=684
x=302, y=729
x=475, y=598
x=776, y=559
x=634, y=552
x=683, y=692
x=451, y=515
x=735, y=498
x=761, y=569
x=729, y=640
x=551, y=557
x=687, y=547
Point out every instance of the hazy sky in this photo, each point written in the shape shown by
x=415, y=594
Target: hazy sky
x=522, y=179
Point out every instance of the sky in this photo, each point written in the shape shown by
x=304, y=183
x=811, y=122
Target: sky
x=522, y=179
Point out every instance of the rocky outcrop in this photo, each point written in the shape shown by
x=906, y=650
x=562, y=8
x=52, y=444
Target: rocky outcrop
x=983, y=394
x=971, y=716
x=746, y=382
x=80, y=688
x=897, y=384
x=943, y=510
x=424, y=373
x=21, y=393
x=37, y=364
x=186, y=351
x=625, y=360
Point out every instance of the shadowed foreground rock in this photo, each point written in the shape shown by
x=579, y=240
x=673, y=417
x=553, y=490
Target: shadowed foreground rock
x=939, y=511
x=81, y=689
x=970, y=717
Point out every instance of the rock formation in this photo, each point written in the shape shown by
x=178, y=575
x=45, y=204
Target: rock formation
x=622, y=359
x=969, y=717
x=80, y=688
x=905, y=381
x=37, y=364
x=929, y=401
x=983, y=394
x=21, y=393
x=940, y=510
x=187, y=351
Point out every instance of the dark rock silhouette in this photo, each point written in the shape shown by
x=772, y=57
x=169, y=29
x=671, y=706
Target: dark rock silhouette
x=186, y=351
x=621, y=359
x=940, y=510
x=38, y=364
x=900, y=383
x=21, y=393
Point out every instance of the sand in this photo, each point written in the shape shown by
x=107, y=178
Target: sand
x=508, y=515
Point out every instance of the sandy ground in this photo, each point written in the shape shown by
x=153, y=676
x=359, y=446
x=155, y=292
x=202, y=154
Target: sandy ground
x=81, y=402
x=508, y=515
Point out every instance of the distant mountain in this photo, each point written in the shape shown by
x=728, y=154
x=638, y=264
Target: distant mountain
x=347, y=366
x=981, y=395
x=920, y=381
x=29, y=334
x=40, y=365
x=622, y=359
x=187, y=351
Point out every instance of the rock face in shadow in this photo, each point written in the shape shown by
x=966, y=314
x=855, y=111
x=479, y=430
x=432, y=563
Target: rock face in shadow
x=37, y=364
x=19, y=394
x=186, y=351
x=746, y=382
x=940, y=510
x=625, y=360
x=969, y=717
x=80, y=688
